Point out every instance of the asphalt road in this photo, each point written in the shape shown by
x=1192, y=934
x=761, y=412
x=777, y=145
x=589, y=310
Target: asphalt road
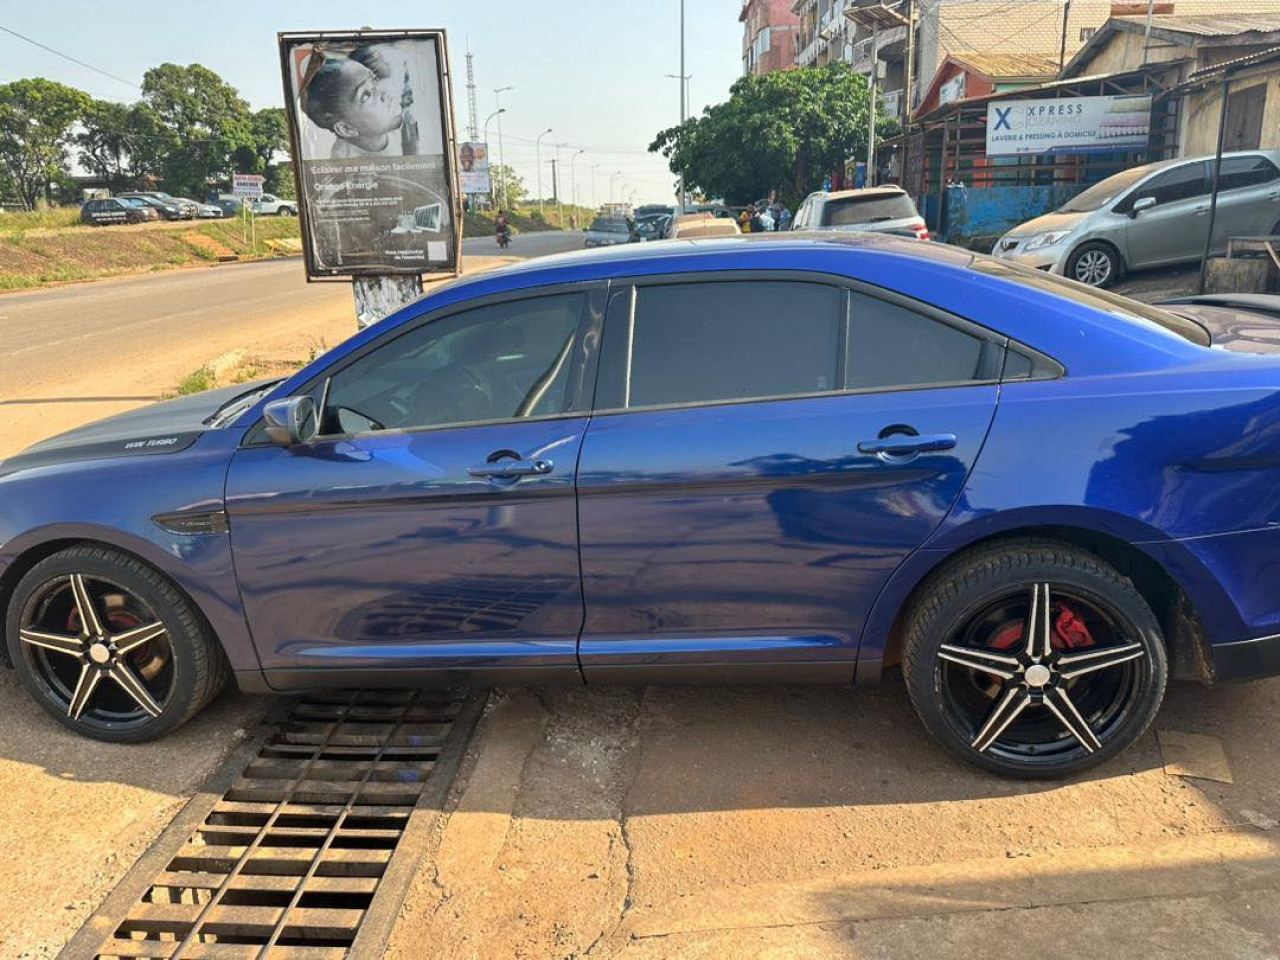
x=86, y=329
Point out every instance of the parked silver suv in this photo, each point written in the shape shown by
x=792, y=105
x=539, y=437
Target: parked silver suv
x=1150, y=216
x=872, y=209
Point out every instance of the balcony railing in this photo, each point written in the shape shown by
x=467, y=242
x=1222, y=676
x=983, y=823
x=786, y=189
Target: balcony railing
x=808, y=56
x=892, y=104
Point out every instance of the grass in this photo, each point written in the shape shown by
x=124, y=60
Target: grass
x=50, y=218
x=247, y=368
x=197, y=381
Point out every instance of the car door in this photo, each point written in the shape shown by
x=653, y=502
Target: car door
x=432, y=525
x=764, y=453
x=1174, y=229
x=1248, y=199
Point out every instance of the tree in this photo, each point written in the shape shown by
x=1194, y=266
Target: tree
x=508, y=188
x=118, y=142
x=785, y=130
x=36, y=118
x=203, y=123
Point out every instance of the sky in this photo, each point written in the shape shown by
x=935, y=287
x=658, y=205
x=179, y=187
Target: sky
x=592, y=70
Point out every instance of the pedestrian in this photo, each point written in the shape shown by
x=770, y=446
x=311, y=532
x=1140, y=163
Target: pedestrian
x=744, y=221
x=784, y=218
x=756, y=223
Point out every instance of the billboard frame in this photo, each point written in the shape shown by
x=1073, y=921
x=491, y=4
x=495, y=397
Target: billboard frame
x=285, y=40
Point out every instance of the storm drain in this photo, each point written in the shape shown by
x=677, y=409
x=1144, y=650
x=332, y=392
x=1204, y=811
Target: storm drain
x=310, y=850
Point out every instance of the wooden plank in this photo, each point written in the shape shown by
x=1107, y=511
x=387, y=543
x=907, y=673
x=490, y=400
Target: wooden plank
x=215, y=951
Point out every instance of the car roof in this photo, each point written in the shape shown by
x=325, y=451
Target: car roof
x=888, y=190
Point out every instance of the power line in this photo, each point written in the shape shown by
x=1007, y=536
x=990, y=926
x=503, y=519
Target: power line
x=67, y=56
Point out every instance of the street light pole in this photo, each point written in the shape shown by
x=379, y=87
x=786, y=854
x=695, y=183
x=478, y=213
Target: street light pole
x=537, y=146
x=573, y=186
x=492, y=181
x=613, y=176
x=560, y=167
x=497, y=93
x=594, y=168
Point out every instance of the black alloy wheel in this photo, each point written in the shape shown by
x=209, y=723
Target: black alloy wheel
x=1035, y=660
x=109, y=647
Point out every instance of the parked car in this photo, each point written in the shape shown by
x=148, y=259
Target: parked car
x=608, y=231
x=701, y=225
x=196, y=209
x=209, y=211
x=229, y=205
x=270, y=205
x=652, y=227
x=1150, y=216
x=789, y=458
x=165, y=209
x=187, y=209
x=109, y=210
x=886, y=209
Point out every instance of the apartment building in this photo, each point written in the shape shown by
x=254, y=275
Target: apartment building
x=769, y=29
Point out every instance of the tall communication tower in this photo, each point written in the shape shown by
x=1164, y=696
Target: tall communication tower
x=473, y=127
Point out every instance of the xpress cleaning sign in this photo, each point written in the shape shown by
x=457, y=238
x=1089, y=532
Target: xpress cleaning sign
x=1067, y=125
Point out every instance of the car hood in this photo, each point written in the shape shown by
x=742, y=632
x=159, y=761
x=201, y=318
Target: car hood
x=1234, y=327
x=1049, y=223
x=160, y=428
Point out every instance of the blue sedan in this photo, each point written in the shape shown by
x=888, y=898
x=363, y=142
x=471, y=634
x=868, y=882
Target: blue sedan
x=785, y=459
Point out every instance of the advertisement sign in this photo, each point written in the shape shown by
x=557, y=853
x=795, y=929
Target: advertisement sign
x=371, y=128
x=473, y=160
x=247, y=185
x=1068, y=125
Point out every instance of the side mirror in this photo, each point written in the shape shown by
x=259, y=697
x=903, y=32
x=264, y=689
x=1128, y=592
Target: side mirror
x=1143, y=203
x=291, y=421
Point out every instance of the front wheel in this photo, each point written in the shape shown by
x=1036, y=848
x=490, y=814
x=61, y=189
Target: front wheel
x=110, y=647
x=1095, y=264
x=286, y=212
x=1034, y=660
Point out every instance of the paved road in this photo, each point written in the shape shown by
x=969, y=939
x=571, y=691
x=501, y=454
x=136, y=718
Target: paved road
x=52, y=334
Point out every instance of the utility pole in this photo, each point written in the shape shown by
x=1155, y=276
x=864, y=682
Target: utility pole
x=1062, y=50
x=911, y=64
x=871, y=109
x=493, y=195
x=684, y=98
x=537, y=146
x=497, y=93
x=1146, y=34
x=573, y=188
x=472, y=127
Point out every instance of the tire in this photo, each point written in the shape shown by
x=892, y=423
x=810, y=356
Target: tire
x=965, y=627
x=286, y=212
x=171, y=653
x=1095, y=264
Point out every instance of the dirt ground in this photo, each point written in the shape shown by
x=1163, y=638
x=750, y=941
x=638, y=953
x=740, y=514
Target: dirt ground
x=748, y=821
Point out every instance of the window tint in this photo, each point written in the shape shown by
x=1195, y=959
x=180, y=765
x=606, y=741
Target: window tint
x=1246, y=172
x=1181, y=183
x=500, y=362
x=848, y=211
x=731, y=340
x=892, y=346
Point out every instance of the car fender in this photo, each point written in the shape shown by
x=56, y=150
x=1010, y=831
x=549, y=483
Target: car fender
x=1206, y=595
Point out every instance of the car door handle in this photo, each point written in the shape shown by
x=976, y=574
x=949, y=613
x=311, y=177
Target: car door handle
x=1200, y=211
x=900, y=445
x=512, y=468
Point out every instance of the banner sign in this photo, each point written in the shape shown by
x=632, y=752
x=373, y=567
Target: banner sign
x=1068, y=125
x=247, y=185
x=473, y=159
x=371, y=127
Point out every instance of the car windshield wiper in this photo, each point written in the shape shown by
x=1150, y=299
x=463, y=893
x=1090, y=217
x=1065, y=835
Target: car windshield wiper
x=233, y=408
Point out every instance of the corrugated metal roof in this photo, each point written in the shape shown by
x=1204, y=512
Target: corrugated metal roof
x=997, y=65
x=1239, y=63
x=1217, y=25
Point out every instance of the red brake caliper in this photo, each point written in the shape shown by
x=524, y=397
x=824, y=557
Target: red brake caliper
x=1068, y=631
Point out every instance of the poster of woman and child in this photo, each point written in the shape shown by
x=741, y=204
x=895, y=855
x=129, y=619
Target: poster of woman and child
x=369, y=116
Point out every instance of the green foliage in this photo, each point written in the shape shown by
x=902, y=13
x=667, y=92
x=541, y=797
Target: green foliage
x=783, y=131
x=508, y=188
x=119, y=142
x=203, y=123
x=36, y=117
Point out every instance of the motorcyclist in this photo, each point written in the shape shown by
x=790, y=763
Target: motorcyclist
x=504, y=228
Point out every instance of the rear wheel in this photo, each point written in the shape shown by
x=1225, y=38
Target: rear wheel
x=109, y=647
x=1034, y=660
x=1093, y=263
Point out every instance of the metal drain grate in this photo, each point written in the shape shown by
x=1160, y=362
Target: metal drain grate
x=287, y=863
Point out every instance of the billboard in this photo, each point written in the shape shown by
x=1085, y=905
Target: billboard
x=1068, y=125
x=371, y=130
x=473, y=160
x=247, y=185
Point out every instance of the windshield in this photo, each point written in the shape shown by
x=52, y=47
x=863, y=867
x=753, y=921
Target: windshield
x=1095, y=298
x=848, y=211
x=131, y=201
x=610, y=226
x=1100, y=194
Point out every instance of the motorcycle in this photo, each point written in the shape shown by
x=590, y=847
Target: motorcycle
x=504, y=237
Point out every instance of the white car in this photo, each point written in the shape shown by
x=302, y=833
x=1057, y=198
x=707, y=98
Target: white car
x=272, y=206
x=886, y=209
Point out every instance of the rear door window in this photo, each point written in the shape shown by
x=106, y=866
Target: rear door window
x=721, y=341
x=893, y=346
x=1240, y=172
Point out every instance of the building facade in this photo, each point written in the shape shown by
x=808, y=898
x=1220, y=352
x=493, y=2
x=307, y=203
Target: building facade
x=769, y=29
